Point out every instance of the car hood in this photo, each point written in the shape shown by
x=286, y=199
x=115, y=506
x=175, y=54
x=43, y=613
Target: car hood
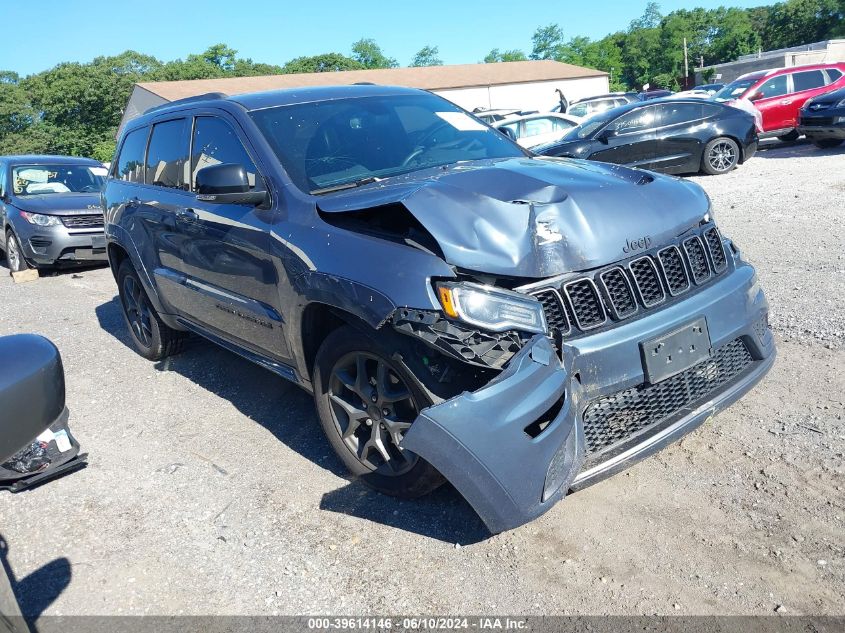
x=535, y=217
x=60, y=203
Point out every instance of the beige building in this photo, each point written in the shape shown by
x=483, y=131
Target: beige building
x=529, y=85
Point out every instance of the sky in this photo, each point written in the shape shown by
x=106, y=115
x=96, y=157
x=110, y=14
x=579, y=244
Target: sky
x=274, y=31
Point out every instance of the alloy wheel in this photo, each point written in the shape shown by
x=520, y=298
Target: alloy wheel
x=13, y=254
x=722, y=156
x=372, y=408
x=138, y=311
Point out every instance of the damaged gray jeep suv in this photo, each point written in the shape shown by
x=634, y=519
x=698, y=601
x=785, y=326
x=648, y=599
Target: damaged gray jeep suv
x=461, y=310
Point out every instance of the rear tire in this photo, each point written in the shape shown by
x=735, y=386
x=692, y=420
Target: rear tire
x=720, y=156
x=366, y=399
x=828, y=143
x=789, y=137
x=151, y=337
x=14, y=253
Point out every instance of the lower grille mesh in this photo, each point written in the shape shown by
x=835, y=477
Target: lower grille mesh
x=613, y=418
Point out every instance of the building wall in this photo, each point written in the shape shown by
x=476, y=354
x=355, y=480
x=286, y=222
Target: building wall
x=539, y=95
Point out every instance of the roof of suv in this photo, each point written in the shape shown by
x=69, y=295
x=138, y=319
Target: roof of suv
x=758, y=74
x=37, y=159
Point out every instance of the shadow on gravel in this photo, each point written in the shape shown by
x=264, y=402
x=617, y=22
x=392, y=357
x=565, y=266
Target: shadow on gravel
x=772, y=148
x=40, y=589
x=443, y=515
x=288, y=413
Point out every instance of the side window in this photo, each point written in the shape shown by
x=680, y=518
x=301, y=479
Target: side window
x=807, y=80
x=215, y=142
x=833, y=74
x=579, y=109
x=773, y=87
x=677, y=113
x=2, y=180
x=636, y=121
x=513, y=127
x=129, y=165
x=534, y=127
x=168, y=154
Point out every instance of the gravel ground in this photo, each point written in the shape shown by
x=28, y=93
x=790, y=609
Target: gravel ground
x=210, y=489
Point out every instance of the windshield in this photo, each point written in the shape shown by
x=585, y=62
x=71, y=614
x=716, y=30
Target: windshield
x=735, y=89
x=37, y=180
x=591, y=125
x=328, y=144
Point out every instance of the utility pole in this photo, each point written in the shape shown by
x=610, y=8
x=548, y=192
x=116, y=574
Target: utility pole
x=686, y=65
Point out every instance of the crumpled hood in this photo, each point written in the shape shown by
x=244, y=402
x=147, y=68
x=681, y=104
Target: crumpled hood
x=536, y=217
x=60, y=203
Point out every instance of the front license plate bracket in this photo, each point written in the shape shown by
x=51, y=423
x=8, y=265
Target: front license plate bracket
x=677, y=351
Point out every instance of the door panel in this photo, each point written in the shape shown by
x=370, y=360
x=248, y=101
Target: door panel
x=775, y=102
x=634, y=140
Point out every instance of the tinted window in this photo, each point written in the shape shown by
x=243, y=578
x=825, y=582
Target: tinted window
x=602, y=105
x=834, y=74
x=677, y=113
x=807, y=80
x=637, y=120
x=773, y=87
x=215, y=142
x=168, y=154
x=130, y=163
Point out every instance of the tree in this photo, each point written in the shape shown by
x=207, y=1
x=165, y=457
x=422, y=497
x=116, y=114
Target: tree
x=328, y=62
x=427, y=56
x=367, y=53
x=513, y=55
x=650, y=19
x=547, y=42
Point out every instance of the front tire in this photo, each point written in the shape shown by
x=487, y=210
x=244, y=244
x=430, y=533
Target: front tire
x=720, y=156
x=14, y=254
x=366, y=399
x=827, y=143
x=151, y=337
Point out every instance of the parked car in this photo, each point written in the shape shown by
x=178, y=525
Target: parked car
x=585, y=108
x=50, y=211
x=822, y=119
x=657, y=93
x=674, y=136
x=536, y=129
x=780, y=93
x=709, y=88
x=460, y=309
x=493, y=116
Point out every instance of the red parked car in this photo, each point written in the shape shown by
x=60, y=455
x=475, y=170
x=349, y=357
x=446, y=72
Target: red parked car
x=780, y=93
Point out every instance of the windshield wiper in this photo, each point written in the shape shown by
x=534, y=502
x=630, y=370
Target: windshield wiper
x=345, y=185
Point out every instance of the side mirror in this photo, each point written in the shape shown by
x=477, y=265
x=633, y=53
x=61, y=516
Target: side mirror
x=605, y=135
x=756, y=96
x=227, y=183
x=508, y=132
x=32, y=390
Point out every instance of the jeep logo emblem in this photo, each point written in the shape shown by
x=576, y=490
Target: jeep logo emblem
x=637, y=244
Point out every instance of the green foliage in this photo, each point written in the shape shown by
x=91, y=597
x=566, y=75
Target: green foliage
x=514, y=55
x=328, y=62
x=369, y=54
x=427, y=56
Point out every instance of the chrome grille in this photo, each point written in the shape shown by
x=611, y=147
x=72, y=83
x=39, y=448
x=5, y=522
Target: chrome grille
x=716, y=249
x=647, y=281
x=673, y=270
x=697, y=259
x=620, y=294
x=587, y=307
x=616, y=417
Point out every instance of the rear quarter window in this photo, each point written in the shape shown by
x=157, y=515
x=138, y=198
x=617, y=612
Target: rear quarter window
x=808, y=80
x=129, y=165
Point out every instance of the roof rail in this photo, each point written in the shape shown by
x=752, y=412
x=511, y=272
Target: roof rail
x=208, y=96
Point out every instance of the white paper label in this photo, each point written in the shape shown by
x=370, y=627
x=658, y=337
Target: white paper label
x=46, y=436
x=62, y=441
x=462, y=121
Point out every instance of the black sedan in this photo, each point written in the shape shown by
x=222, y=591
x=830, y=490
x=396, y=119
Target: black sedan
x=674, y=136
x=822, y=119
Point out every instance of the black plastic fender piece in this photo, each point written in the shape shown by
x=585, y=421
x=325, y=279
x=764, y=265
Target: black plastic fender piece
x=480, y=440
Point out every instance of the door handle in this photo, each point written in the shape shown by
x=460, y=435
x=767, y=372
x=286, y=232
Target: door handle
x=186, y=215
x=786, y=101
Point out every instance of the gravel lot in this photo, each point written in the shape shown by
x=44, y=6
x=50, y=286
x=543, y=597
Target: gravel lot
x=211, y=490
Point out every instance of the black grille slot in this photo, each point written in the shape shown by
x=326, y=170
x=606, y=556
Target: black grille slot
x=673, y=268
x=555, y=312
x=617, y=417
x=817, y=121
x=698, y=265
x=620, y=294
x=94, y=220
x=717, y=250
x=648, y=283
x=586, y=304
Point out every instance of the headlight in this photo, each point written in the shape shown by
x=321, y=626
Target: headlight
x=40, y=219
x=492, y=308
